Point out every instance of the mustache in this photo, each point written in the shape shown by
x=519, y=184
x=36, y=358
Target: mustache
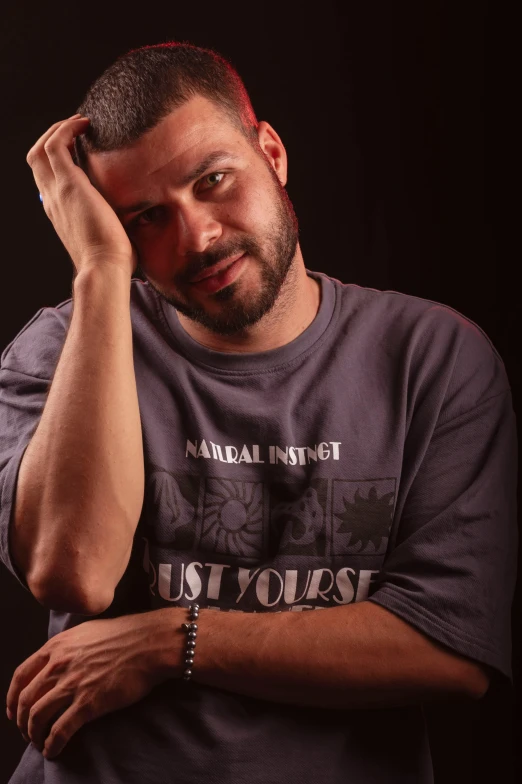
x=199, y=262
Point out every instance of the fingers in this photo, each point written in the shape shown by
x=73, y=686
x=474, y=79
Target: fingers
x=43, y=138
x=50, y=157
x=22, y=677
x=44, y=714
x=64, y=728
x=29, y=701
x=36, y=149
x=58, y=146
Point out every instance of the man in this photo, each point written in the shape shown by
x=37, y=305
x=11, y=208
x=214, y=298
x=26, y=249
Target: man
x=243, y=433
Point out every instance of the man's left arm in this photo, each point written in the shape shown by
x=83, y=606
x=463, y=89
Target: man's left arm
x=353, y=656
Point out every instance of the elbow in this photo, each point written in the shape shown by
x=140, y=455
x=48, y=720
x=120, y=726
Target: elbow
x=476, y=681
x=480, y=685
x=67, y=597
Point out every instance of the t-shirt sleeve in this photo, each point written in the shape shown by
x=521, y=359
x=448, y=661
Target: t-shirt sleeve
x=27, y=366
x=451, y=572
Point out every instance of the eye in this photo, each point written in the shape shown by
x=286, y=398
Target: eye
x=145, y=218
x=210, y=179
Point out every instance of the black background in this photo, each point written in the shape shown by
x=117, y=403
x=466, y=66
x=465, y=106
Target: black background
x=396, y=120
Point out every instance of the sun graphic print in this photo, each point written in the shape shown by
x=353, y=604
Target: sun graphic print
x=362, y=514
x=232, y=521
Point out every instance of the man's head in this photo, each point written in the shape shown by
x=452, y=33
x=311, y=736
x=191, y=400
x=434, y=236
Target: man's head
x=173, y=131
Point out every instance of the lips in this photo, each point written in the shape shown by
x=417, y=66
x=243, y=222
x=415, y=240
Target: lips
x=228, y=273
x=216, y=268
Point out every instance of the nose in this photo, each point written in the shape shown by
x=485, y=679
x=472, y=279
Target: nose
x=196, y=229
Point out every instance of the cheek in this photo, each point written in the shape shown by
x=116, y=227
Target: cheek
x=251, y=210
x=149, y=241
x=154, y=257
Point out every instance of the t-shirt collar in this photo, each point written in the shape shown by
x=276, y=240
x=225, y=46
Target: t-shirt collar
x=256, y=361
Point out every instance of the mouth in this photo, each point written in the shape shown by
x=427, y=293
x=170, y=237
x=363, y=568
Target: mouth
x=219, y=267
x=219, y=275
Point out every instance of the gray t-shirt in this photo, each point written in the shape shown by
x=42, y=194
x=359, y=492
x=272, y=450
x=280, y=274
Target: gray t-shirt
x=372, y=458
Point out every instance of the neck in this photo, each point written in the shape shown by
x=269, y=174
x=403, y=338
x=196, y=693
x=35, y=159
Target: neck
x=295, y=309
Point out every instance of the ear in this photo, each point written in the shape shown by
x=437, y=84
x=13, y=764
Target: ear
x=274, y=150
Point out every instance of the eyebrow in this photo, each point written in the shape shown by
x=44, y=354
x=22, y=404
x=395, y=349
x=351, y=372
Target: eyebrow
x=211, y=160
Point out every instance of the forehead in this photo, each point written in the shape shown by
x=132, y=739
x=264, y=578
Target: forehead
x=178, y=143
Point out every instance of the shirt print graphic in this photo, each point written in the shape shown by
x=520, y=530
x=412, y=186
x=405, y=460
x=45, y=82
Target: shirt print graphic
x=264, y=545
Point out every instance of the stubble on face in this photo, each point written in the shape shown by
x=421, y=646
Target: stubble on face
x=273, y=257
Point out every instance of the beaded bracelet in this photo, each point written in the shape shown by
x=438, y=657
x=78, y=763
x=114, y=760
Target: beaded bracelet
x=191, y=629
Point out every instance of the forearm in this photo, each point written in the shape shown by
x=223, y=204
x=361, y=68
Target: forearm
x=354, y=656
x=80, y=486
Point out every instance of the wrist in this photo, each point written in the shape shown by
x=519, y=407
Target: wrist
x=190, y=628
x=168, y=652
x=111, y=273
x=176, y=649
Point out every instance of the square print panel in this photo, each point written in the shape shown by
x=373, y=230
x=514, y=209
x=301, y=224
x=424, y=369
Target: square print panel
x=170, y=507
x=362, y=514
x=298, y=515
x=232, y=518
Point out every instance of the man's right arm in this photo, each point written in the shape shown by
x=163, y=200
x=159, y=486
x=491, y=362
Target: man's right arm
x=81, y=481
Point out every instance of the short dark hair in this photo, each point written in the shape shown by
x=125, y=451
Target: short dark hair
x=144, y=85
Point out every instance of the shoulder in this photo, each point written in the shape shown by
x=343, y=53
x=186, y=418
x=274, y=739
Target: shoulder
x=36, y=348
x=38, y=344
x=381, y=310
x=434, y=343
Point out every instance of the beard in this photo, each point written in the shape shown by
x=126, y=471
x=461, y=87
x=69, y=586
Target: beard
x=274, y=260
